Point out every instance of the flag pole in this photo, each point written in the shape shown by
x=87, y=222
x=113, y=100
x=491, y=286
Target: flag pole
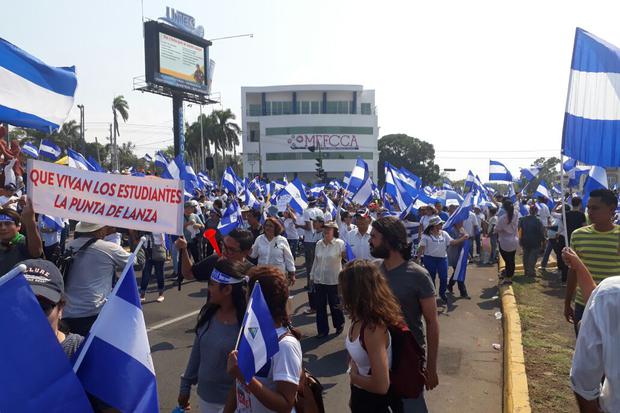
x=565, y=228
x=89, y=338
x=245, y=317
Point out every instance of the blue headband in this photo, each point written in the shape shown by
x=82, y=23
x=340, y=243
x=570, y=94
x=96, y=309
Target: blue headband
x=6, y=218
x=222, y=278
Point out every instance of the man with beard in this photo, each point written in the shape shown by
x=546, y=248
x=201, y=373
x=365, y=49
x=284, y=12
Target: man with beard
x=414, y=289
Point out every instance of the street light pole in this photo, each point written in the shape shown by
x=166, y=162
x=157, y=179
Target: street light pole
x=82, y=140
x=202, y=143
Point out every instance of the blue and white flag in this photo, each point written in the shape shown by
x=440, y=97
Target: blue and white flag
x=569, y=164
x=259, y=340
x=161, y=160
x=316, y=190
x=556, y=189
x=231, y=219
x=591, y=131
x=29, y=149
x=461, y=265
x=77, y=160
x=250, y=200
x=147, y=158
x=173, y=169
x=205, y=180
x=470, y=182
x=330, y=208
x=349, y=251
x=511, y=193
x=461, y=213
x=33, y=94
x=49, y=149
x=530, y=173
x=597, y=179
x=36, y=374
x=95, y=164
x=230, y=182
x=364, y=193
x=345, y=179
x=542, y=190
x=115, y=362
x=575, y=174
x=296, y=190
x=358, y=175
x=499, y=172
x=447, y=185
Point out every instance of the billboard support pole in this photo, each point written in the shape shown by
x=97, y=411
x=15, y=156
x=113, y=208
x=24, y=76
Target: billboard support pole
x=177, y=122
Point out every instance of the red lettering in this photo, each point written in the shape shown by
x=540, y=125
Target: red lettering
x=62, y=204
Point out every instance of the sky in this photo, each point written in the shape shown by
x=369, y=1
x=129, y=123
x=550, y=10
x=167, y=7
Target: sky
x=479, y=80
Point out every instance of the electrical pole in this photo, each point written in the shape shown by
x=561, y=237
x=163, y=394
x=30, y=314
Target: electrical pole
x=82, y=139
x=202, y=143
x=112, y=161
x=97, y=146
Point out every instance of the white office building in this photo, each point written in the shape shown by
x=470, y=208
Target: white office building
x=281, y=124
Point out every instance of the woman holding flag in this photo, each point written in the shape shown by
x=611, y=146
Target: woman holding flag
x=273, y=388
x=218, y=325
x=434, y=248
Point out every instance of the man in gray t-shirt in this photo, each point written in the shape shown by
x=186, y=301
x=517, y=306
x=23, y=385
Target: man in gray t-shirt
x=91, y=276
x=414, y=289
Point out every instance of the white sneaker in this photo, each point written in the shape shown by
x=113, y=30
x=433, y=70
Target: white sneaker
x=142, y=298
x=160, y=299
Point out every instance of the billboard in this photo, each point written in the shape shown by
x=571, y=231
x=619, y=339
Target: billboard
x=176, y=59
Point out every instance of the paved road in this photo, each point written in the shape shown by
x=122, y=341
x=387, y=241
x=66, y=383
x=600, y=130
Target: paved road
x=469, y=368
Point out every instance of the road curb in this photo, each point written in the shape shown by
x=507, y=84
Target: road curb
x=516, y=394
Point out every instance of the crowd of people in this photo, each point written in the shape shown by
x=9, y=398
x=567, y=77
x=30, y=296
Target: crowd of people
x=363, y=263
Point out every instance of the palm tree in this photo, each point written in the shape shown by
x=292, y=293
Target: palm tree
x=119, y=106
x=224, y=133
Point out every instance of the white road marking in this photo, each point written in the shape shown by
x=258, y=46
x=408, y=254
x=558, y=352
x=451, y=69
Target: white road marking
x=171, y=321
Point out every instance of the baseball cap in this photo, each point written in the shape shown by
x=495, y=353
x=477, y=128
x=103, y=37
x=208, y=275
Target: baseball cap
x=362, y=212
x=44, y=278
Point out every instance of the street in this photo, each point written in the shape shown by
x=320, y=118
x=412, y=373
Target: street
x=469, y=368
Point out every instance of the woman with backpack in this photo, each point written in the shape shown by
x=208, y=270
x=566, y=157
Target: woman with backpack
x=217, y=329
x=373, y=309
x=274, y=387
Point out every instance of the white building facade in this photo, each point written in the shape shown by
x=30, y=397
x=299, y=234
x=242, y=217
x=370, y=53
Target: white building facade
x=281, y=124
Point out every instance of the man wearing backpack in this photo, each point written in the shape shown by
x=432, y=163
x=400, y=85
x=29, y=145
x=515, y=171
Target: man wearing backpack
x=89, y=279
x=415, y=292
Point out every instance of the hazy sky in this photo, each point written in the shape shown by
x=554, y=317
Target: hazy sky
x=477, y=79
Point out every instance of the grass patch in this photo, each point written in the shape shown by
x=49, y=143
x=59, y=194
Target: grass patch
x=548, y=343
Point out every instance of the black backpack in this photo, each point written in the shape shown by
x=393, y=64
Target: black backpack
x=65, y=262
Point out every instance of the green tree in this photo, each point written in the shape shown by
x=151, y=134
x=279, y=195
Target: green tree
x=411, y=153
x=119, y=107
x=549, y=172
x=224, y=133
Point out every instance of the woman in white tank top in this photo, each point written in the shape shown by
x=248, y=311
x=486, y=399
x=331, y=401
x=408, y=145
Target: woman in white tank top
x=373, y=309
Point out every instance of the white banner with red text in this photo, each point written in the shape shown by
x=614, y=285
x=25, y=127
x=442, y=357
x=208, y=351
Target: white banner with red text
x=146, y=203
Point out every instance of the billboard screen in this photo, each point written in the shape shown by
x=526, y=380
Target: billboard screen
x=176, y=59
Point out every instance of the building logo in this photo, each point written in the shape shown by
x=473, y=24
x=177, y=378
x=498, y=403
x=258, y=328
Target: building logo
x=183, y=21
x=326, y=142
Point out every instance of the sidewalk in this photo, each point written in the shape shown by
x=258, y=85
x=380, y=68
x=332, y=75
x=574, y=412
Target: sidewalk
x=469, y=368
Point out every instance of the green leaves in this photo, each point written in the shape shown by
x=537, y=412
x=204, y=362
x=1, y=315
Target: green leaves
x=406, y=151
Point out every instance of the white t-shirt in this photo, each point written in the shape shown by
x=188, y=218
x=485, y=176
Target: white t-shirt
x=285, y=366
x=424, y=221
x=309, y=215
x=290, y=229
x=469, y=224
x=436, y=246
x=359, y=243
x=544, y=214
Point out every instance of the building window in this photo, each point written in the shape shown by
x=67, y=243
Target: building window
x=307, y=155
x=287, y=108
x=252, y=157
x=331, y=108
x=267, y=108
x=255, y=110
x=366, y=110
x=343, y=107
x=315, y=108
x=305, y=107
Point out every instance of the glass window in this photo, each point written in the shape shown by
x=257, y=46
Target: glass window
x=305, y=107
x=276, y=108
x=366, y=109
x=332, y=107
x=343, y=107
x=255, y=110
x=287, y=108
x=314, y=108
x=267, y=108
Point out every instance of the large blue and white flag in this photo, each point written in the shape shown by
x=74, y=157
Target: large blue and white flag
x=36, y=374
x=115, y=362
x=296, y=191
x=229, y=180
x=231, y=219
x=461, y=265
x=95, y=164
x=597, y=179
x=49, y=149
x=575, y=174
x=542, y=190
x=461, y=213
x=33, y=94
x=399, y=187
x=358, y=175
x=569, y=164
x=29, y=149
x=530, y=173
x=161, y=160
x=259, y=339
x=447, y=185
x=591, y=131
x=470, y=182
x=250, y=200
x=77, y=160
x=55, y=223
x=499, y=172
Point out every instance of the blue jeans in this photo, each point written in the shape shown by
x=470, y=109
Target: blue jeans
x=409, y=405
x=548, y=249
x=438, y=265
x=146, y=275
x=293, y=244
x=175, y=258
x=493, y=239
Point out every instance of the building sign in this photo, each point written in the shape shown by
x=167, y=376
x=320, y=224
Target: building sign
x=183, y=21
x=326, y=142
